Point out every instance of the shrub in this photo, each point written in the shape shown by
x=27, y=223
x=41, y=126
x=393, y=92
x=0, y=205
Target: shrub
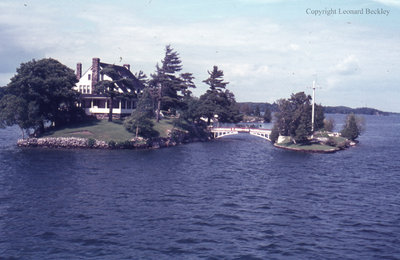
x=111, y=144
x=91, y=142
x=331, y=142
x=124, y=144
x=142, y=125
x=329, y=124
x=274, y=134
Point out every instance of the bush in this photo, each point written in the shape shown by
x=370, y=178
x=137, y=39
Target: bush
x=274, y=134
x=329, y=124
x=331, y=142
x=124, y=144
x=142, y=124
x=111, y=144
x=91, y=142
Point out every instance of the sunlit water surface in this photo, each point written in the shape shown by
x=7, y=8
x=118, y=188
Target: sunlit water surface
x=234, y=198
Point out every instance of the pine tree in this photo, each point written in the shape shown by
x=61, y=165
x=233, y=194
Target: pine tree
x=217, y=100
x=216, y=81
x=109, y=88
x=351, y=129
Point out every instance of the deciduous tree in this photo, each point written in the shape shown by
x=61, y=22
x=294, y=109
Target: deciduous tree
x=294, y=117
x=39, y=93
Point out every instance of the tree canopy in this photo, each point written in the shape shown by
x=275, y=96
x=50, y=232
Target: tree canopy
x=216, y=79
x=218, y=101
x=294, y=117
x=172, y=87
x=109, y=88
x=353, y=127
x=40, y=92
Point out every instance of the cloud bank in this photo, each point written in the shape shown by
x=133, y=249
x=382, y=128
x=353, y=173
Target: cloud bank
x=264, y=57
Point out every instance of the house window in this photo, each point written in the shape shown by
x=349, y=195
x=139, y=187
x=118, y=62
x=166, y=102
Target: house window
x=88, y=76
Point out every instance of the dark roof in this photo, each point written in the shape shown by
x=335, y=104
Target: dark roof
x=123, y=72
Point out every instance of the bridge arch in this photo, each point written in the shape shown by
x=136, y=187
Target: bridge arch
x=225, y=131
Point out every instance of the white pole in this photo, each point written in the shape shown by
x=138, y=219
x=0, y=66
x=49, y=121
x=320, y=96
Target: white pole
x=313, y=106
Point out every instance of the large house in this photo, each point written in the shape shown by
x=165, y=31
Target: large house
x=99, y=105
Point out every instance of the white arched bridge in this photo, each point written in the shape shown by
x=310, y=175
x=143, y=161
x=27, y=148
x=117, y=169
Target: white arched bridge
x=224, y=131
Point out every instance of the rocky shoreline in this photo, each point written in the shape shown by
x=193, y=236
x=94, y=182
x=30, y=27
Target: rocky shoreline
x=89, y=143
x=333, y=150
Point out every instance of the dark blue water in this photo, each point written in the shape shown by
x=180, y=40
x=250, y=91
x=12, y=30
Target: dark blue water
x=235, y=198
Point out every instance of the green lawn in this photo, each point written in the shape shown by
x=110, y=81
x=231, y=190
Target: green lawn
x=163, y=127
x=106, y=131
x=311, y=147
x=98, y=129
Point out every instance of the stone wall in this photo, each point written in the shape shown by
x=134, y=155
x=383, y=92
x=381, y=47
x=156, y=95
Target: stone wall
x=176, y=137
x=61, y=142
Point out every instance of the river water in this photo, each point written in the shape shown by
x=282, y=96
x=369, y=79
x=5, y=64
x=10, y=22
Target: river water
x=234, y=198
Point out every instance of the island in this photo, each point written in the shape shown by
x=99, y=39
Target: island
x=110, y=107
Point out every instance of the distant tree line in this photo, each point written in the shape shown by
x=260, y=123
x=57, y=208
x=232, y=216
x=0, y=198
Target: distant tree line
x=251, y=106
x=348, y=110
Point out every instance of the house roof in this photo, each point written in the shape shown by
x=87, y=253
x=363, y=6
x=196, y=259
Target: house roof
x=123, y=72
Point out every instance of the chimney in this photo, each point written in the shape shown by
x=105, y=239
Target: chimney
x=127, y=66
x=95, y=72
x=78, y=71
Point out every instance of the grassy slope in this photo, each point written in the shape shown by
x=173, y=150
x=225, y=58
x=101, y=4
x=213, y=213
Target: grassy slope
x=99, y=129
x=312, y=147
x=163, y=126
x=106, y=131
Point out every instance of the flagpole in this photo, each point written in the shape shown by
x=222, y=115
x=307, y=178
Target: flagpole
x=313, y=107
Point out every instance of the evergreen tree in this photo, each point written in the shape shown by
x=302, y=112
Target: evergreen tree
x=329, y=124
x=353, y=127
x=294, y=117
x=319, y=117
x=142, y=77
x=267, y=115
x=187, y=83
x=216, y=79
x=217, y=100
x=109, y=88
x=170, y=87
x=140, y=124
x=146, y=103
x=257, y=111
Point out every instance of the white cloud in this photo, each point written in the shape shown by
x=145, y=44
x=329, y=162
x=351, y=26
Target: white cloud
x=263, y=58
x=389, y=2
x=348, y=66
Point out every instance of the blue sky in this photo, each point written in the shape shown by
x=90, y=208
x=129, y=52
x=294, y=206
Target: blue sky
x=267, y=49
